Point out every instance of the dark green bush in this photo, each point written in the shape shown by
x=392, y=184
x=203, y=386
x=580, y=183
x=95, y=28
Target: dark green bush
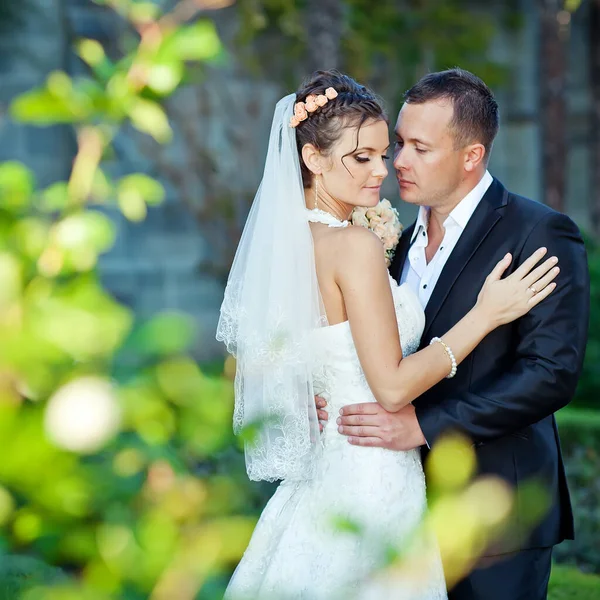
x=570, y=584
x=588, y=392
x=580, y=439
x=20, y=573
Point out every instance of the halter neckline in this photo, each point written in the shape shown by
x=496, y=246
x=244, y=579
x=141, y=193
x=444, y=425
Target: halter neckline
x=316, y=215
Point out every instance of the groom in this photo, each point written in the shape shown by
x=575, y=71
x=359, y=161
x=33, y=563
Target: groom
x=505, y=394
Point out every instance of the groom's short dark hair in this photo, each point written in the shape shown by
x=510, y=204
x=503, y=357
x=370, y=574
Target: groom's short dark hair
x=475, y=108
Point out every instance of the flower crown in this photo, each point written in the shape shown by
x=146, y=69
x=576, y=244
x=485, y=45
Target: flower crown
x=310, y=105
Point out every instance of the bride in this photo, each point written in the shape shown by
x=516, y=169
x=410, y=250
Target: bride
x=310, y=309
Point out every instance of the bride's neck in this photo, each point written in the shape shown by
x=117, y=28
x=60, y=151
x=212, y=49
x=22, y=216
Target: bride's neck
x=340, y=210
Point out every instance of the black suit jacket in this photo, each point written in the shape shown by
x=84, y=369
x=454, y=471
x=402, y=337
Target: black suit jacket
x=505, y=393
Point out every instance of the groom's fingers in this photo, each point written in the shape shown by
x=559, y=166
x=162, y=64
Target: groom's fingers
x=360, y=431
x=366, y=408
x=366, y=441
x=372, y=420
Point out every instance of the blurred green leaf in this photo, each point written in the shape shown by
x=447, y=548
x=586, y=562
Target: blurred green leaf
x=11, y=280
x=102, y=187
x=150, y=118
x=85, y=230
x=81, y=320
x=135, y=191
x=91, y=51
x=54, y=198
x=143, y=11
x=16, y=185
x=41, y=107
x=346, y=525
x=31, y=236
x=198, y=41
x=164, y=77
x=165, y=334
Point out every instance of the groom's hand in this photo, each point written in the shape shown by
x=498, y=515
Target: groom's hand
x=369, y=424
x=321, y=404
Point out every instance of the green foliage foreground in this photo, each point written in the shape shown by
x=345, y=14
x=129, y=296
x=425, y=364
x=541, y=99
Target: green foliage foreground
x=113, y=440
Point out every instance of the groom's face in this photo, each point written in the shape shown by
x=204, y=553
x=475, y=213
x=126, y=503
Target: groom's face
x=428, y=167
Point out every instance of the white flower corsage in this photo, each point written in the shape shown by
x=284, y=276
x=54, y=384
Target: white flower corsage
x=383, y=220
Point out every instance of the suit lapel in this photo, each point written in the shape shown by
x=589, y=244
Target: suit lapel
x=480, y=224
x=401, y=253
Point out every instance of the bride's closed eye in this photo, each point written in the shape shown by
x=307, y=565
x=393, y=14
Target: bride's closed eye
x=364, y=159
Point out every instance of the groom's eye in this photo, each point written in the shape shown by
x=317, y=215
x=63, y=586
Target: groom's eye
x=421, y=150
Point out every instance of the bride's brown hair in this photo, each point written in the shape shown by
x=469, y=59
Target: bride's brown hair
x=354, y=105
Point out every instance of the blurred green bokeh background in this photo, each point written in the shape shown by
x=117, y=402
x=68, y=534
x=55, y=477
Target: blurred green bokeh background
x=133, y=138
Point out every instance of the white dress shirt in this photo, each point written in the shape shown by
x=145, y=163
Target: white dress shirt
x=419, y=275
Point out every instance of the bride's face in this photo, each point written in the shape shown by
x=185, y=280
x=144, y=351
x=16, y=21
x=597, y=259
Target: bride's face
x=355, y=167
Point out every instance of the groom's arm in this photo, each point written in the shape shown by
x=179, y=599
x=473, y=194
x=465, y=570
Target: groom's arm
x=548, y=358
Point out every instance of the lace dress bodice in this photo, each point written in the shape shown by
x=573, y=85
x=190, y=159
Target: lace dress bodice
x=338, y=375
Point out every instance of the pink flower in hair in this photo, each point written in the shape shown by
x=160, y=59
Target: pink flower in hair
x=321, y=100
x=331, y=93
x=311, y=106
x=300, y=111
x=310, y=98
x=294, y=121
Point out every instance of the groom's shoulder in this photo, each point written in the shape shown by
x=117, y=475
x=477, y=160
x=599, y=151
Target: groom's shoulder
x=527, y=212
x=527, y=208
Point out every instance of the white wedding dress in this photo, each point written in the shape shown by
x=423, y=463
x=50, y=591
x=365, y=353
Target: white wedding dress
x=326, y=538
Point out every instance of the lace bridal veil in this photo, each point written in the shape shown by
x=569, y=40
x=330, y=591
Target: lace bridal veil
x=271, y=306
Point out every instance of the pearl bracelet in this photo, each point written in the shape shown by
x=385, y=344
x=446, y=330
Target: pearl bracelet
x=450, y=356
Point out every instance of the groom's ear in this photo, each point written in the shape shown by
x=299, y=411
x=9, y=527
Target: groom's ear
x=312, y=159
x=474, y=156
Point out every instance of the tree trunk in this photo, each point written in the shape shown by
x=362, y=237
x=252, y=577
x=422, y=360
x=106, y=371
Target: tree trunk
x=594, y=23
x=553, y=37
x=324, y=27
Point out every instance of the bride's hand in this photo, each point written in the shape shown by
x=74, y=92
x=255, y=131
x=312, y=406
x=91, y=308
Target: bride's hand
x=505, y=300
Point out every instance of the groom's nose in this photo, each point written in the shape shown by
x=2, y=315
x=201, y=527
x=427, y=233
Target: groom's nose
x=400, y=160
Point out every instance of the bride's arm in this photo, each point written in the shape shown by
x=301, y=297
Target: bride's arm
x=363, y=280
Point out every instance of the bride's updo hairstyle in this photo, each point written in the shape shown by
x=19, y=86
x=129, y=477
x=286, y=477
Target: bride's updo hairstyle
x=352, y=107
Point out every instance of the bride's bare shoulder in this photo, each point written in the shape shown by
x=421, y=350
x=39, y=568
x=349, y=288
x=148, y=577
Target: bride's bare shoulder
x=355, y=247
x=358, y=240
x=351, y=239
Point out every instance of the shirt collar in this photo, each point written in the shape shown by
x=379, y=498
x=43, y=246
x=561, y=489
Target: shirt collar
x=421, y=224
x=462, y=211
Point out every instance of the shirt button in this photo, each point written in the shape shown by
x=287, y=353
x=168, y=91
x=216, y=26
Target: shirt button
x=425, y=287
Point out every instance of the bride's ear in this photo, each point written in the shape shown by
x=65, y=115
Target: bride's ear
x=312, y=159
